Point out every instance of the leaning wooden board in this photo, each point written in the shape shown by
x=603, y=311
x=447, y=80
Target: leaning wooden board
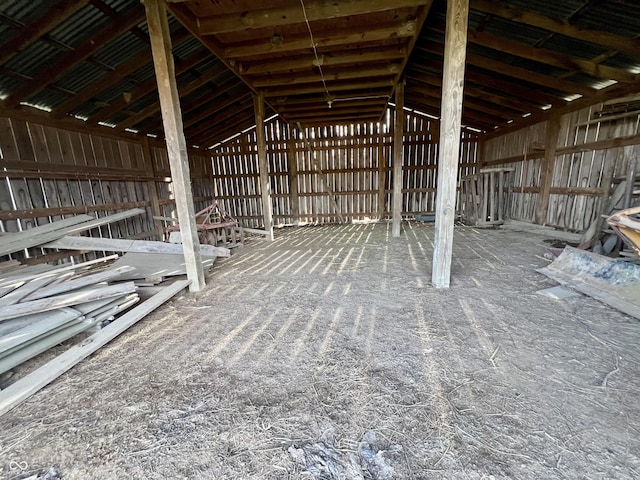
x=19, y=391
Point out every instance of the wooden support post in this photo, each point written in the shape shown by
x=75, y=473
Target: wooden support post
x=153, y=188
x=292, y=160
x=398, y=133
x=546, y=174
x=160, y=37
x=382, y=179
x=500, y=196
x=455, y=44
x=265, y=189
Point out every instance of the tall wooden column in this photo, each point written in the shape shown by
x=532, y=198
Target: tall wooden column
x=292, y=159
x=455, y=44
x=173, y=131
x=265, y=189
x=551, y=134
x=398, y=133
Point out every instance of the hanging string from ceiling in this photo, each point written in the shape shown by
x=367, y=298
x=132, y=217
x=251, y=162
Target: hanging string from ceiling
x=318, y=63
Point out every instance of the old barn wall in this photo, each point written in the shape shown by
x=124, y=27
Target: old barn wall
x=353, y=161
x=49, y=173
x=593, y=154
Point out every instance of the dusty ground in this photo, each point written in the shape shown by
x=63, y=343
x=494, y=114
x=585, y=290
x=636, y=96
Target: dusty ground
x=336, y=331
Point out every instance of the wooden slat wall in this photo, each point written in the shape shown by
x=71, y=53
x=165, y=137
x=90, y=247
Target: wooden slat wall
x=355, y=160
x=49, y=173
x=577, y=185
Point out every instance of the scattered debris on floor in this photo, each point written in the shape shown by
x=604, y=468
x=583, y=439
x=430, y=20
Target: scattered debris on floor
x=42, y=306
x=372, y=460
x=615, y=282
x=558, y=293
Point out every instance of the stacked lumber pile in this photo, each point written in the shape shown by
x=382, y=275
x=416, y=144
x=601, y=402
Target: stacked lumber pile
x=42, y=306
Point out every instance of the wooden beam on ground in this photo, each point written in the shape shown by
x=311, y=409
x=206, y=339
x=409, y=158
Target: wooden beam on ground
x=19, y=391
x=34, y=237
x=546, y=174
x=288, y=15
x=39, y=27
x=159, y=34
x=128, y=20
x=450, y=131
x=263, y=166
x=500, y=9
x=398, y=134
x=126, y=245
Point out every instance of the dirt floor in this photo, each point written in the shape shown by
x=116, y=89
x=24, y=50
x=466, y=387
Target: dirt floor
x=334, y=334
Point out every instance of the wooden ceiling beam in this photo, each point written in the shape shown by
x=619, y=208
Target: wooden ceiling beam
x=467, y=111
x=148, y=86
x=39, y=27
x=548, y=57
x=361, y=36
x=321, y=104
x=113, y=78
x=228, y=119
x=308, y=60
x=505, y=69
x=629, y=46
x=472, y=91
x=348, y=119
x=182, y=91
x=289, y=15
x=329, y=76
x=128, y=20
x=332, y=87
x=382, y=94
x=338, y=112
x=435, y=92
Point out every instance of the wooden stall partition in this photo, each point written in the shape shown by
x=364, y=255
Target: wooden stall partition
x=584, y=167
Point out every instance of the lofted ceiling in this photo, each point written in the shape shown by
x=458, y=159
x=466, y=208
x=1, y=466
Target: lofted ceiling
x=89, y=61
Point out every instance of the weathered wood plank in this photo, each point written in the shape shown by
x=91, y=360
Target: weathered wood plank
x=16, y=393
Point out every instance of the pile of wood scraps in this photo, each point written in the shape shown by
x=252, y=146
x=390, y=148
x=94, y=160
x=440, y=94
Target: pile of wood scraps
x=42, y=306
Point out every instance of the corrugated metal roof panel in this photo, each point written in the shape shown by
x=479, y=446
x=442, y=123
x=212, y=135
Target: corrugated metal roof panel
x=112, y=53
x=33, y=59
x=22, y=11
x=115, y=93
x=614, y=17
x=572, y=47
x=186, y=48
x=80, y=27
x=145, y=73
x=47, y=98
x=81, y=77
x=8, y=85
x=516, y=31
x=560, y=10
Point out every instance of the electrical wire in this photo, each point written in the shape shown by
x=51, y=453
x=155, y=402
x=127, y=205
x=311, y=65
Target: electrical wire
x=315, y=52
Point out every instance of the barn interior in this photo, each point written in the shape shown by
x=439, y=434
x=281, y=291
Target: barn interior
x=309, y=239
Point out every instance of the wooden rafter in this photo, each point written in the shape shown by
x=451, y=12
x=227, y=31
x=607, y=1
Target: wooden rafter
x=549, y=57
x=360, y=36
x=39, y=27
x=630, y=46
x=113, y=78
x=146, y=87
x=386, y=70
x=307, y=61
x=127, y=20
x=315, y=10
x=332, y=86
x=192, y=86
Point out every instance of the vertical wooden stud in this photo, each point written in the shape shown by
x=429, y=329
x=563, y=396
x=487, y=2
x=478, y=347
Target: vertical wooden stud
x=153, y=188
x=452, y=92
x=265, y=189
x=160, y=37
x=398, y=133
x=292, y=159
x=546, y=174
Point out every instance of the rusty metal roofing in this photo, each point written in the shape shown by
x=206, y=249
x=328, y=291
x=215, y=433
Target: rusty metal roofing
x=523, y=55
